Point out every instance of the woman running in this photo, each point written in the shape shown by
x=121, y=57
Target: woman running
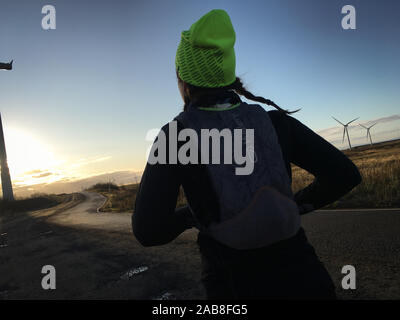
x=251, y=242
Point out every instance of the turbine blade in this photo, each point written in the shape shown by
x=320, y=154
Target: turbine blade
x=344, y=132
x=373, y=125
x=363, y=126
x=338, y=121
x=352, y=120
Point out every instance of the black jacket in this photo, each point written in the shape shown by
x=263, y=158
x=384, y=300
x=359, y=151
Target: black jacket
x=155, y=220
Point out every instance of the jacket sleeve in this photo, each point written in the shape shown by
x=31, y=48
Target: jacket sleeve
x=155, y=220
x=335, y=174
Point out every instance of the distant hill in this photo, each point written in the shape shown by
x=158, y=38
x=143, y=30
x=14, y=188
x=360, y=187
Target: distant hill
x=379, y=166
x=69, y=186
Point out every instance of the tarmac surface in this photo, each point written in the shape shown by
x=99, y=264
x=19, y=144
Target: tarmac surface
x=96, y=255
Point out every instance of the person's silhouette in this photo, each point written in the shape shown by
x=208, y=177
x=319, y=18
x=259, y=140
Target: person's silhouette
x=251, y=241
x=6, y=66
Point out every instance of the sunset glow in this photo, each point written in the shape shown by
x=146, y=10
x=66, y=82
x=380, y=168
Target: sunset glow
x=30, y=160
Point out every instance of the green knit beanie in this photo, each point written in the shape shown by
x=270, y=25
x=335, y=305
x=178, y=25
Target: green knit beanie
x=205, y=55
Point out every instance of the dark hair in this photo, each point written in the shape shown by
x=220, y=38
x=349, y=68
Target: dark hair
x=237, y=86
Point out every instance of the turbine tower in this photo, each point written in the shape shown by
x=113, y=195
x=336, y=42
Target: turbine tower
x=345, y=130
x=5, y=173
x=368, y=132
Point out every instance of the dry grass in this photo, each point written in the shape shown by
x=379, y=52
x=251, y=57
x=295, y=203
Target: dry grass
x=122, y=198
x=119, y=198
x=379, y=166
x=34, y=202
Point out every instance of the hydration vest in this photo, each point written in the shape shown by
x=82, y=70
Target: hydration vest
x=256, y=209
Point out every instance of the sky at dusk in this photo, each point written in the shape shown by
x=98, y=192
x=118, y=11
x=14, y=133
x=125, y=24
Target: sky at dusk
x=82, y=97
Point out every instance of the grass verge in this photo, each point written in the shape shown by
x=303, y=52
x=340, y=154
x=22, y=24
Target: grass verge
x=379, y=166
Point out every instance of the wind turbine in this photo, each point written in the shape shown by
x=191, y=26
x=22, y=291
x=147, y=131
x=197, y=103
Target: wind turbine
x=345, y=130
x=369, y=133
x=5, y=172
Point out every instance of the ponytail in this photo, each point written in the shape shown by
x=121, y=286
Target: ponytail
x=241, y=90
x=238, y=87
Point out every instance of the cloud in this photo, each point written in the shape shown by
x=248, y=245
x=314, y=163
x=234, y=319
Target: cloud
x=383, y=120
x=33, y=172
x=358, y=134
x=46, y=174
x=83, y=161
x=336, y=133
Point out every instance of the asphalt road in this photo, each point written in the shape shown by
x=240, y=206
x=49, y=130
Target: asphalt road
x=97, y=257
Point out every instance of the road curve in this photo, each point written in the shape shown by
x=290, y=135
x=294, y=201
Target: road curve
x=96, y=255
